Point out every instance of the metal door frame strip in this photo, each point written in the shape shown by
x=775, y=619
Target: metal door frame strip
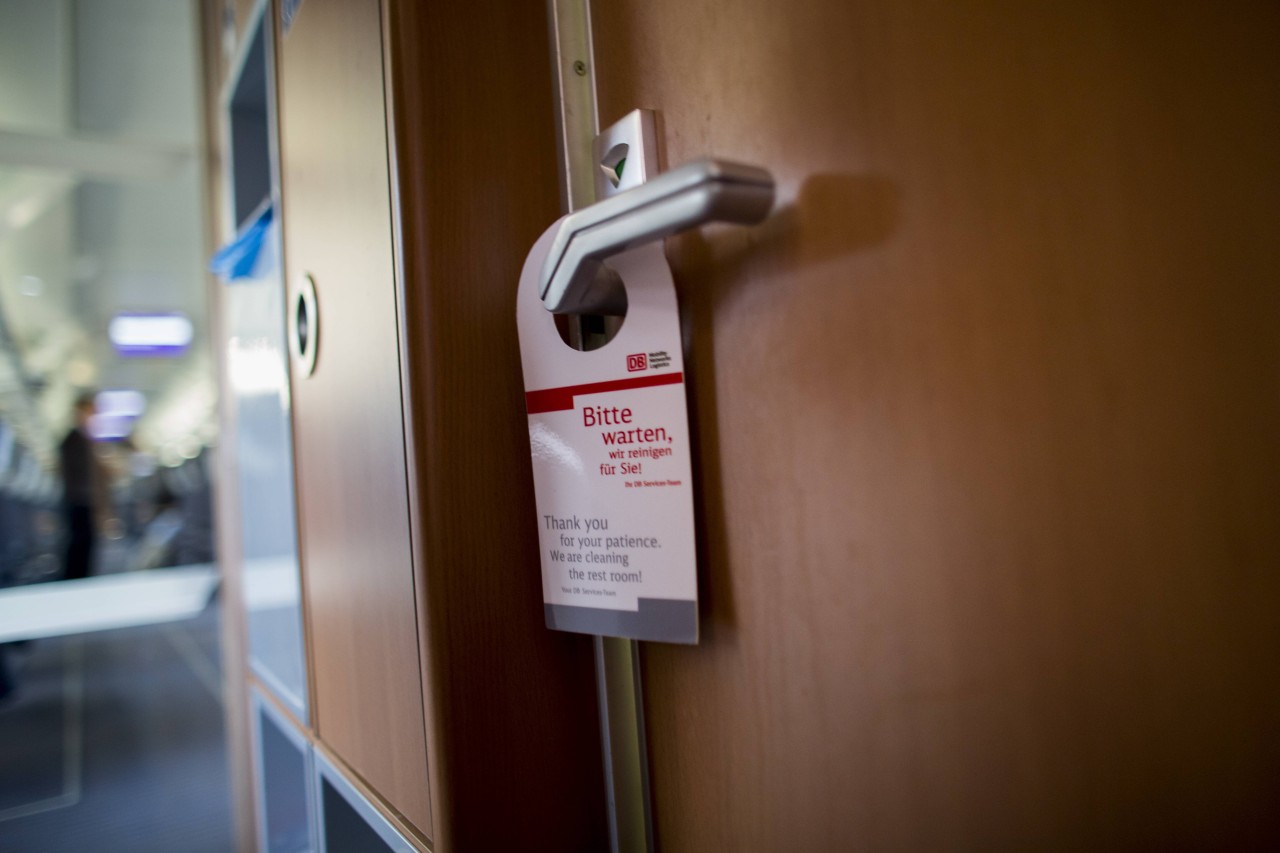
x=618, y=689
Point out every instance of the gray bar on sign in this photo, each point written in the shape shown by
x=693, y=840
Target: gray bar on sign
x=664, y=620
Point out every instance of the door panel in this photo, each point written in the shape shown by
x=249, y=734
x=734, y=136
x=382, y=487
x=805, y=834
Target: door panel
x=349, y=433
x=986, y=420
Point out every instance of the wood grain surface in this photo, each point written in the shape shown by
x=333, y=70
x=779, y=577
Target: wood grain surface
x=986, y=421
x=358, y=574
x=513, y=733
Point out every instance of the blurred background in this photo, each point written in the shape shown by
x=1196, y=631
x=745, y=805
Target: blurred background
x=100, y=223
x=109, y=689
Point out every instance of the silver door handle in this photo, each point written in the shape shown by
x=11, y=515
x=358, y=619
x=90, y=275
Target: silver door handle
x=574, y=279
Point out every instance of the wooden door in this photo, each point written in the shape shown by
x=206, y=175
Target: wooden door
x=986, y=421
x=348, y=421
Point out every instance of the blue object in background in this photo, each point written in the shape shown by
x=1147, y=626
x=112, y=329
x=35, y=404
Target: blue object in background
x=238, y=259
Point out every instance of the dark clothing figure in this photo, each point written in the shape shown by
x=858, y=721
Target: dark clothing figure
x=79, y=472
x=81, y=541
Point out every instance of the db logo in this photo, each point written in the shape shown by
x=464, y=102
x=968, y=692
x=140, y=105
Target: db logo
x=637, y=362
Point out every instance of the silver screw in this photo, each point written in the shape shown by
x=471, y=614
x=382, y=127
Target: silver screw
x=580, y=68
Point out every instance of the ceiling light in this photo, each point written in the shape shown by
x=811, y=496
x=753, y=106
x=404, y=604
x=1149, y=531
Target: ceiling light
x=125, y=403
x=150, y=334
x=109, y=427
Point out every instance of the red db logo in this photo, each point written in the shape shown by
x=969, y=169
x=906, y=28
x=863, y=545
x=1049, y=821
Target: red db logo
x=637, y=362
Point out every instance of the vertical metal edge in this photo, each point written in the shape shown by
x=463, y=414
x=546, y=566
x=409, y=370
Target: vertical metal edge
x=575, y=100
x=641, y=750
x=273, y=46
x=618, y=688
x=415, y=498
x=622, y=731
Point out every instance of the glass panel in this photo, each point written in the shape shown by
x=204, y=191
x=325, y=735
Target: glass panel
x=344, y=828
x=257, y=374
x=350, y=822
x=256, y=367
x=284, y=785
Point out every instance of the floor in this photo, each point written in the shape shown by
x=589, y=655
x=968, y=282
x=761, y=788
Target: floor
x=113, y=741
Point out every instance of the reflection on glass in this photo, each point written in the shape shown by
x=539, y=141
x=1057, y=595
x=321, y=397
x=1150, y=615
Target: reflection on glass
x=256, y=365
x=284, y=784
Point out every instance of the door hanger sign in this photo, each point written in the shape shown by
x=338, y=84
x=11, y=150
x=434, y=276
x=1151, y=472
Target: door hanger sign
x=609, y=433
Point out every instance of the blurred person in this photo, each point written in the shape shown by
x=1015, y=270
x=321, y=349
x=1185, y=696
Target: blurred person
x=82, y=491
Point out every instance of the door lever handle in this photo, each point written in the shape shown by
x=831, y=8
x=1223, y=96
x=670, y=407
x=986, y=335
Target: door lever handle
x=574, y=279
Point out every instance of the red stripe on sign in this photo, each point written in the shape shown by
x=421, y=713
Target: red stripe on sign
x=561, y=399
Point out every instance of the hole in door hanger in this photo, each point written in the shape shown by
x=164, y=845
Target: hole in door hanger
x=587, y=332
